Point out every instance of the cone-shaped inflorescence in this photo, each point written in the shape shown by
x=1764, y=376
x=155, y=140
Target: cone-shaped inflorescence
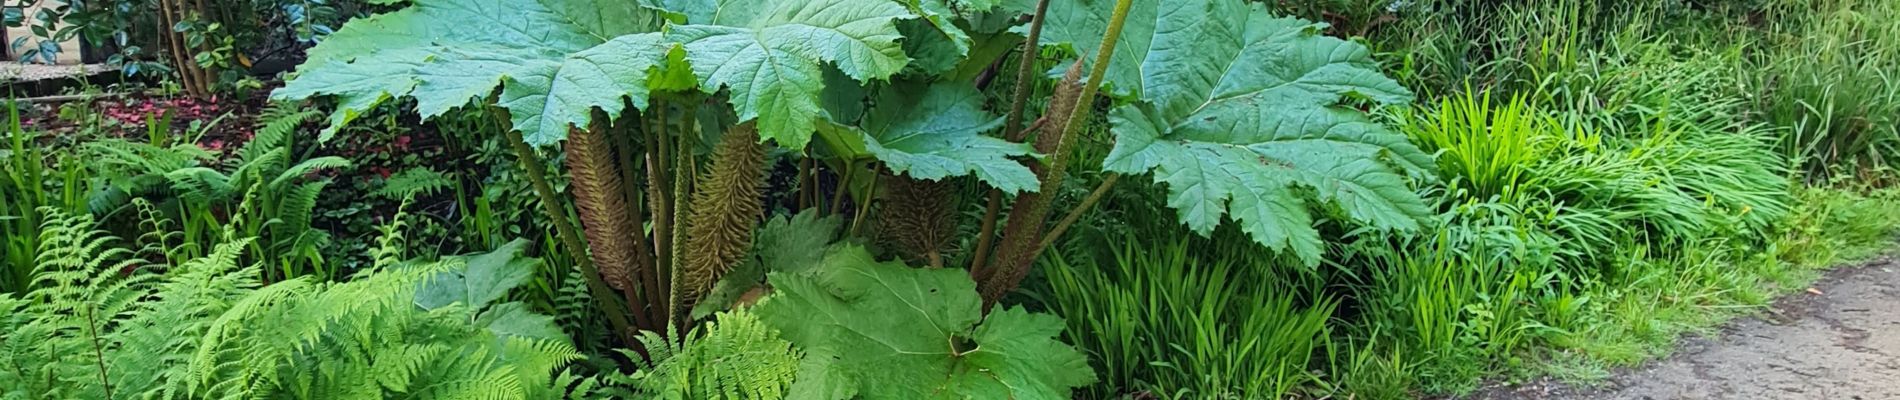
x=725, y=208
x=600, y=196
x=917, y=218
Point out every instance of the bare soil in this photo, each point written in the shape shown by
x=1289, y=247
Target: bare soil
x=1838, y=340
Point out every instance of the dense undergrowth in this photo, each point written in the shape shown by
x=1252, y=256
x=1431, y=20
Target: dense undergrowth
x=900, y=200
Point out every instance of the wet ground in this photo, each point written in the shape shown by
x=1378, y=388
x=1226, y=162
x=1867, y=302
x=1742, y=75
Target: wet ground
x=1838, y=340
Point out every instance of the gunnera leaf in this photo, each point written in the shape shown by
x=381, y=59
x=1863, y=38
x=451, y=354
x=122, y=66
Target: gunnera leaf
x=445, y=53
x=784, y=244
x=770, y=56
x=889, y=331
x=1234, y=109
x=933, y=132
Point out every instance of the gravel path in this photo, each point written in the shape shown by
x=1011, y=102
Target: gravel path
x=17, y=72
x=1838, y=341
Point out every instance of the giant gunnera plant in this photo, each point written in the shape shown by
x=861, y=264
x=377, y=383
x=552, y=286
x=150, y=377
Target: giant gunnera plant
x=675, y=117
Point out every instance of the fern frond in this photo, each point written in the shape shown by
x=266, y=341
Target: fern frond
x=296, y=206
x=134, y=158
x=96, y=324
x=737, y=357
x=159, y=241
x=268, y=163
x=390, y=247
x=307, y=167
x=201, y=186
x=84, y=287
x=159, y=341
x=413, y=182
x=275, y=126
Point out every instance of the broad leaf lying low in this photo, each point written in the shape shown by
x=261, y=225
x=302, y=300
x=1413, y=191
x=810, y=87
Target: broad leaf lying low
x=784, y=244
x=485, y=278
x=888, y=331
x=1235, y=110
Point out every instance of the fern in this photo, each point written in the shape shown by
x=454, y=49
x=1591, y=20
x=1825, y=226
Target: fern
x=733, y=357
x=275, y=127
x=97, y=325
x=158, y=341
x=124, y=170
x=421, y=181
x=275, y=193
x=159, y=240
x=390, y=246
x=365, y=339
x=83, y=286
x=574, y=312
x=292, y=230
x=201, y=186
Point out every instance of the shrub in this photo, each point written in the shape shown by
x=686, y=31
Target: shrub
x=100, y=324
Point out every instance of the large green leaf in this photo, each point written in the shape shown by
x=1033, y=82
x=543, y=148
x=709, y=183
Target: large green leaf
x=482, y=279
x=784, y=244
x=445, y=53
x=937, y=131
x=544, y=99
x=1235, y=110
x=889, y=331
x=515, y=319
x=934, y=39
x=771, y=55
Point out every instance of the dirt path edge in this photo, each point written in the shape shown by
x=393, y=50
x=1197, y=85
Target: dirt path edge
x=1840, y=340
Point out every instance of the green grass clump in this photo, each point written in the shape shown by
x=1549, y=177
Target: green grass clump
x=1826, y=73
x=1188, y=318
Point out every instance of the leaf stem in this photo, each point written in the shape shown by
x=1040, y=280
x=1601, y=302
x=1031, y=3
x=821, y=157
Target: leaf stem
x=1025, y=70
x=1076, y=213
x=864, y=206
x=684, y=174
x=643, y=272
x=98, y=350
x=804, y=184
x=1012, y=127
x=986, y=235
x=844, y=184
x=658, y=201
x=1017, y=255
x=570, y=238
